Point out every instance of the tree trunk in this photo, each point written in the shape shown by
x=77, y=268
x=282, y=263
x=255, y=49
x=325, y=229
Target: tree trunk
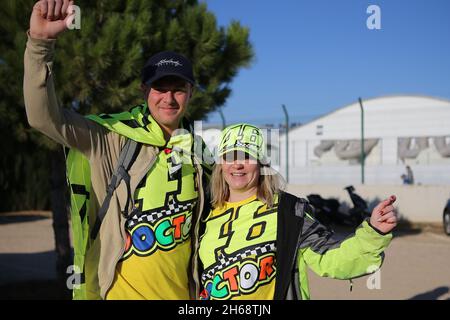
x=59, y=205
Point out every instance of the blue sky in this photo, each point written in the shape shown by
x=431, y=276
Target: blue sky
x=317, y=56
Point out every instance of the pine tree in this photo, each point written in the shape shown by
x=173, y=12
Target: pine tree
x=97, y=70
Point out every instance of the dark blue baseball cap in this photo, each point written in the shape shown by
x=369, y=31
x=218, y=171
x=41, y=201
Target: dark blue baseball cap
x=167, y=63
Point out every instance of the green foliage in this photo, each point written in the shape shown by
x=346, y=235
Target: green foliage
x=97, y=69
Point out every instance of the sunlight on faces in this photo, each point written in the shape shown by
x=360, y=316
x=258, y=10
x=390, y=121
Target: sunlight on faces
x=168, y=100
x=240, y=171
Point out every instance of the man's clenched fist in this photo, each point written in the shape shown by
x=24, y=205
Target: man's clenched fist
x=50, y=17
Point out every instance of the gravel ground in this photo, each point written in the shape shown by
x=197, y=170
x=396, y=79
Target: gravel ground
x=417, y=265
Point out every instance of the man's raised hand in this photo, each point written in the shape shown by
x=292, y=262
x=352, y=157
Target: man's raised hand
x=50, y=18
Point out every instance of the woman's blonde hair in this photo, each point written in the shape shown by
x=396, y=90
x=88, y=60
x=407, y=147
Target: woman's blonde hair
x=269, y=184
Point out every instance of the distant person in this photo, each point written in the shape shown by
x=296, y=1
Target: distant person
x=404, y=179
x=408, y=178
x=409, y=175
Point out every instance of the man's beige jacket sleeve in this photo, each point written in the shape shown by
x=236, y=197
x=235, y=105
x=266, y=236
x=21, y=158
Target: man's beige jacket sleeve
x=43, y=110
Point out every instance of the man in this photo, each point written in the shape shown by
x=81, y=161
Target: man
x=408, y=178
x=409, y=175
x=143, y=247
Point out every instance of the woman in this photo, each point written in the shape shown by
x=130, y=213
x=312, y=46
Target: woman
x=258, y=240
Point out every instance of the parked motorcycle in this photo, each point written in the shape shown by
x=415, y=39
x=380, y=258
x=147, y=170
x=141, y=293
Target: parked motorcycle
x=327, y=210
x=360, y=210
x=446, y=218
x=324, y=209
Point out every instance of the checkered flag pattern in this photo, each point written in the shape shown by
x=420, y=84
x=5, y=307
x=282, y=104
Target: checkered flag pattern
x=226, y=261
x=151, y=216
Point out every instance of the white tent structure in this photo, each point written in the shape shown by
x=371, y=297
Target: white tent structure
x=398, y=131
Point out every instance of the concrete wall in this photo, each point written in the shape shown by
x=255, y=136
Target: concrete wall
x=414, y=203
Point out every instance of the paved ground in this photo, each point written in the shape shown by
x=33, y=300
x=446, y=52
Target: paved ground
x=417, y=265
x=26, y=248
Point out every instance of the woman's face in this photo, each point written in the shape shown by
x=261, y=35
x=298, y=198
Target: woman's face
x=240, y=172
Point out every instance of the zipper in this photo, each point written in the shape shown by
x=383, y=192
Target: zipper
x=293, y=262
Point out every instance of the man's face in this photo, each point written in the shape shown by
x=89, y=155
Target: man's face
x=168, y=100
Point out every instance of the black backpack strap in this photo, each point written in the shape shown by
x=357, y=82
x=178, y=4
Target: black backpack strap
x=126, y=158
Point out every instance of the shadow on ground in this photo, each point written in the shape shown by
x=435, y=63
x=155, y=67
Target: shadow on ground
x=18, y=217
x=31, y=276
x=431, y=295
x=35, y=290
